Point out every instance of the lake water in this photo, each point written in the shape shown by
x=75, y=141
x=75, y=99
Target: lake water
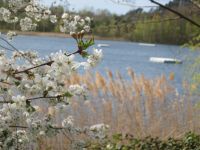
x=118, y=56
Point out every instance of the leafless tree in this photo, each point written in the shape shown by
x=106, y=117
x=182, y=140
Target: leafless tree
x=132, y=2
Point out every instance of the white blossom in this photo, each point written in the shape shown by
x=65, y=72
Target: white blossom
x=68, y=122
x=25, y=87
x=99, y=127
x=19, y=101
x=53, y=18
x=77, y=18
x=42, y=133
x=29, y=8
x=88, y=19
x=73, y=23
x=95, y=57
x=27, y=24
x=65, y=16
x=46, y=14
x=98, y=131
x=11, y=34
x=77, y=89
x=4, y=14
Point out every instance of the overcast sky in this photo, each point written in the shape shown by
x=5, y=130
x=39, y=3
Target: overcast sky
x=104, y=4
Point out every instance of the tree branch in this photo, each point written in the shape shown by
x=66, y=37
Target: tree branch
x=4, y=82
x=25, y=127
x=42, y=97
x=131, y=4
x=28, y=69
x=195, y=3
x=6, y=48
x=14, y=48
x=44, y=64
x=5, y=102
x=35, y=98
x=177, y=13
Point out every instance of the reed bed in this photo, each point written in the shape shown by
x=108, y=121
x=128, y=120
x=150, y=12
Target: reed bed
x=137, y=105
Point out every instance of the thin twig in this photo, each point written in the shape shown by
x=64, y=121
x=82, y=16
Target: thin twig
x=14, y=48
x=131, y=5
x=195, y=3
x=6, y=48
x=35, y=98
x=177, y=13
x=9, y=44
x=26, y=70
x=22, y=127
x=6, y=102
x=6, y=83
x=44, y=64
x=17, y=138
x=25, y=127
x=42, y=97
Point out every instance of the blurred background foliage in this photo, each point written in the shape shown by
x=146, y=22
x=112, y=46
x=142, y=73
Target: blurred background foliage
x=139, y=25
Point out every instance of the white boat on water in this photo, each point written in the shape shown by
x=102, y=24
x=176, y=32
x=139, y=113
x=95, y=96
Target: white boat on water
x=103, y=45
x=147, y=44
x=165, y=60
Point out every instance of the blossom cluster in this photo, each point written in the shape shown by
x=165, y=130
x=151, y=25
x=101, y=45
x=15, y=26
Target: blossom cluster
x=74, y=23
x=35, y=12
x=28, y=82
x=98, y=131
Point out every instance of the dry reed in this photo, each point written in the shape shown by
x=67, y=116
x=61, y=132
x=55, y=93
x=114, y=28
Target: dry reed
x=137, y=105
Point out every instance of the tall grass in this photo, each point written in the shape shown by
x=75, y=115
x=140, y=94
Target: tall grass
x=137, y=105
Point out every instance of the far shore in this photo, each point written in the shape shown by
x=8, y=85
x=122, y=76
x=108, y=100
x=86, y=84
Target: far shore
x=63, y=35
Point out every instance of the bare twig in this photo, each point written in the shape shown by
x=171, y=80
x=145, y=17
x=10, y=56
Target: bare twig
x=49, y=63
x=177, y=13
x=17, y=138
x=42, y=97
x=6, y=48
x=36, y=98
x=28, y=69
x=9, y=44
x=14, y=48
x=131, y=4
x=5, y=102
x=25, y=127
x=195, y=3
x=22, y=127
x=4, y=82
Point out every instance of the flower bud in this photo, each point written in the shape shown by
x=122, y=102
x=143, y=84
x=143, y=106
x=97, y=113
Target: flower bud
x=73, y=34
x=79, y=35
x=82, y=33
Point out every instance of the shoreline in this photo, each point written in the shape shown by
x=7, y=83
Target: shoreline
x=96, y=37
x=63, y=35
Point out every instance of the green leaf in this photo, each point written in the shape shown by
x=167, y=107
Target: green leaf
x=88, y=43
x=85, y=45
x=5, y=89
x=29, y=107
x=68, y=94
x=117, y=137
x=45, y=93
x=17, y=83
x=84, y=54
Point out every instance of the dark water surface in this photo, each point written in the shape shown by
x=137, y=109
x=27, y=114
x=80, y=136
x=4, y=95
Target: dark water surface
x=118, y=56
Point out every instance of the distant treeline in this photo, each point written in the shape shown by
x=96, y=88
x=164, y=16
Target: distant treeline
x=153, y=26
